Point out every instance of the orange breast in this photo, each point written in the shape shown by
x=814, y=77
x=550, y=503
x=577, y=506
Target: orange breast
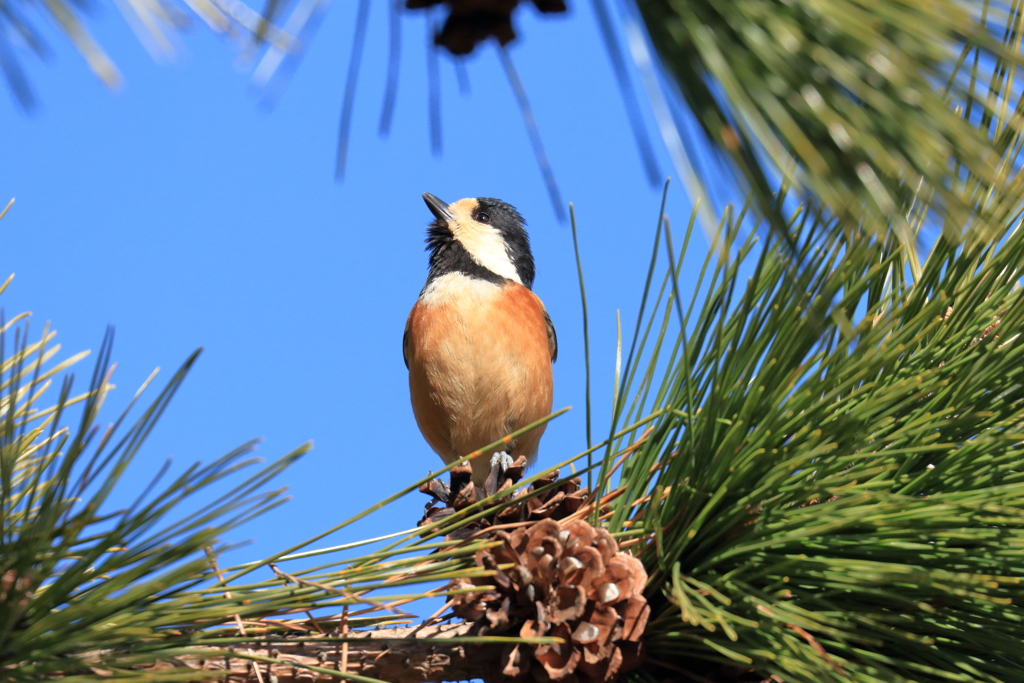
x=479, y=367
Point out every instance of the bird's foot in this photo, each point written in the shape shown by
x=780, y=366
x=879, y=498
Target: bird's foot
x=500, y=462
x=502, y=458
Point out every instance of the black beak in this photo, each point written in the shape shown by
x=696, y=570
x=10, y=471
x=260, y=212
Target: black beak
x=437, y=207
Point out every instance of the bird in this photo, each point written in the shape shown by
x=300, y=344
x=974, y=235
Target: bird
x=479, y=344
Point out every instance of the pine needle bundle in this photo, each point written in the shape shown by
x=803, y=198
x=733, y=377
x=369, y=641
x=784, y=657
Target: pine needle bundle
x=833, y=487
x=849, y=102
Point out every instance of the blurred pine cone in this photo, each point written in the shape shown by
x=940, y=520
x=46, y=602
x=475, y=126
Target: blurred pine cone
x=16, y=594
x=470, y=22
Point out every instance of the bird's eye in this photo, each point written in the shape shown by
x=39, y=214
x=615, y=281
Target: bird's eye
x=483, y=217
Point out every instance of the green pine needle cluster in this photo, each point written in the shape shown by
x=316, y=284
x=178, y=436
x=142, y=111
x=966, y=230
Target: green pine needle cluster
x=833, y=487
x=77, y=577
x=850, y=100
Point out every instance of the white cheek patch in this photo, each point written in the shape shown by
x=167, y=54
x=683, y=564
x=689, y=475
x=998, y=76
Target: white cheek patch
x=488, y=249
x=483, y=242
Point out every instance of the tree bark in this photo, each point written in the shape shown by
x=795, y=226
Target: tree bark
x=375, y=655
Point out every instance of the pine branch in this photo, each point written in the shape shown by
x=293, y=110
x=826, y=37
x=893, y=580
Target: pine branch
x=397, y=655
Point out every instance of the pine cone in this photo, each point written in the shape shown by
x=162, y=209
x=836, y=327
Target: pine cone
x=16, y=594
x=567, y=581
x=557, y=503
x=470, y=22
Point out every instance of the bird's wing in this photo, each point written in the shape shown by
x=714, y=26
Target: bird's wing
x=405, y=346
x=552, y=337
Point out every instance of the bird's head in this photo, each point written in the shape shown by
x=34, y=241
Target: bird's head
x=481, y=232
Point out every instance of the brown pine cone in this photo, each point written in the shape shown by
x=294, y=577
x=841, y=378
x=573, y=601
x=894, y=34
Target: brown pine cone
x=557, y=503
x=568, y=581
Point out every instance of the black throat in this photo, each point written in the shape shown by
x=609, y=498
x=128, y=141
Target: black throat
x=447, y=255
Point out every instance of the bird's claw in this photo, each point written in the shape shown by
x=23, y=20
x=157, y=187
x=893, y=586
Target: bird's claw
x=500, y=462
x=502, y=458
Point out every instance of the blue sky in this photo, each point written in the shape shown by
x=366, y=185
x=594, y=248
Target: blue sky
x=184, y=214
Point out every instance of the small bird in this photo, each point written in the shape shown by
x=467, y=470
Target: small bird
x=479, y=343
